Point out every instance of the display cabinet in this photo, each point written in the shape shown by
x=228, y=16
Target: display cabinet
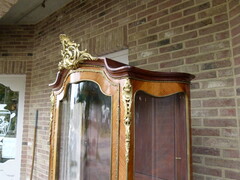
x=112, y=121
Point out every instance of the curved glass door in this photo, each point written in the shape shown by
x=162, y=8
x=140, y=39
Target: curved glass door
x=85, y=139
x=160, y=137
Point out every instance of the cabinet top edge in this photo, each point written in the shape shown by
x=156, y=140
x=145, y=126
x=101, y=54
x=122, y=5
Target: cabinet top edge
x=119, y=70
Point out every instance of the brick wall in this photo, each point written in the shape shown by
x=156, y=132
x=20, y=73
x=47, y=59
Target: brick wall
x=195, y=36
x=234, y=22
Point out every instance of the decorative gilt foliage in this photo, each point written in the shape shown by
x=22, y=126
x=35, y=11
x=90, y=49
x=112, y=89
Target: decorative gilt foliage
x=72, y=56
x=127, y=99
x=52, y=99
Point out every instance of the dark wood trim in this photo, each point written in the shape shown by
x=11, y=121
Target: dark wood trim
x=119, y=70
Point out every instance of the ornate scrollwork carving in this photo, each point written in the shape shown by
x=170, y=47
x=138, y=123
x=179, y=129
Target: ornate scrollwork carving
x=51, y=129
x=127, y=99
x=72, y=56
x=53, y=100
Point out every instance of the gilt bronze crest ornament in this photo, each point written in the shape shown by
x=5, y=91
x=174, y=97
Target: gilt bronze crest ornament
x=72, y=56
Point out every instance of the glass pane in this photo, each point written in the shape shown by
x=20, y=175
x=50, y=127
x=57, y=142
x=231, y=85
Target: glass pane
x=8, y=123
x=155, y=135
x=85, y=141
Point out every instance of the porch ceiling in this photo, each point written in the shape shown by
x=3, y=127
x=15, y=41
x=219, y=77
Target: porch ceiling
x=28, y=11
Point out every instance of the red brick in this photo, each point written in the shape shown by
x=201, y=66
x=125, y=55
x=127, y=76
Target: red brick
x=133, y=43
x=228, y=112
x=236, y=72
x=233, y=4
x=236, y=50
x=151, y=67
x=236, y=40
x=216, y=65
x=186, y=52
x=181, y=6
x=196, y=141
x=207, y=171
x=235, y=31
x=137, y=9
x=172, y=63
x=220, y=18
x=147, y=39
x=238, y=81
x=206, y=151
x=147, y=25
x=137, y=35
x=218, y=83
x=214, y=28
x=111, y=26
x=138, y=62
x=157, y=15
x=131, y=57
x=159, y=58
x=219, y=102
x=235, y=11
x=158, y=28
x=198, y=177
x=217, y=2
x=147, y=53
x=147, y=12
x=169, y=18
x=229, y=132
x=185, y=36
x=198, y=25
x=199, y=41
x=205, y=132
x=204, y=112
x=222, y=163
x=183, y=21
x=203, y=94
x=206, y=75
x=220, y=122
x=136, y=23
x=200, y=58
x=195, y=103
x=213, y=11
x=120, y=16
x=225, y=72
x=196, y=9
x=235, y=21
x=110, y=14
x=170, y=33
x=195, y=85
x=215, y=46
x=232, y=174
x=159, y=43
x=230, y=153
x=223, y=54
x=237, y=60
x=197, y=159
x=155, y=2
x=217, y=142
x=226, y=92
x=168, y=4
x=171, y=48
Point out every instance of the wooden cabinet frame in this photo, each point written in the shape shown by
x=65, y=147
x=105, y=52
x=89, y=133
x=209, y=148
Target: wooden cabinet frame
x=121, y=82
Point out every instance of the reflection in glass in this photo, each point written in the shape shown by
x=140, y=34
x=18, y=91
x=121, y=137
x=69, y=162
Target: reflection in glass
x=157, y=121
x=85, y=138
x=8, y=123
